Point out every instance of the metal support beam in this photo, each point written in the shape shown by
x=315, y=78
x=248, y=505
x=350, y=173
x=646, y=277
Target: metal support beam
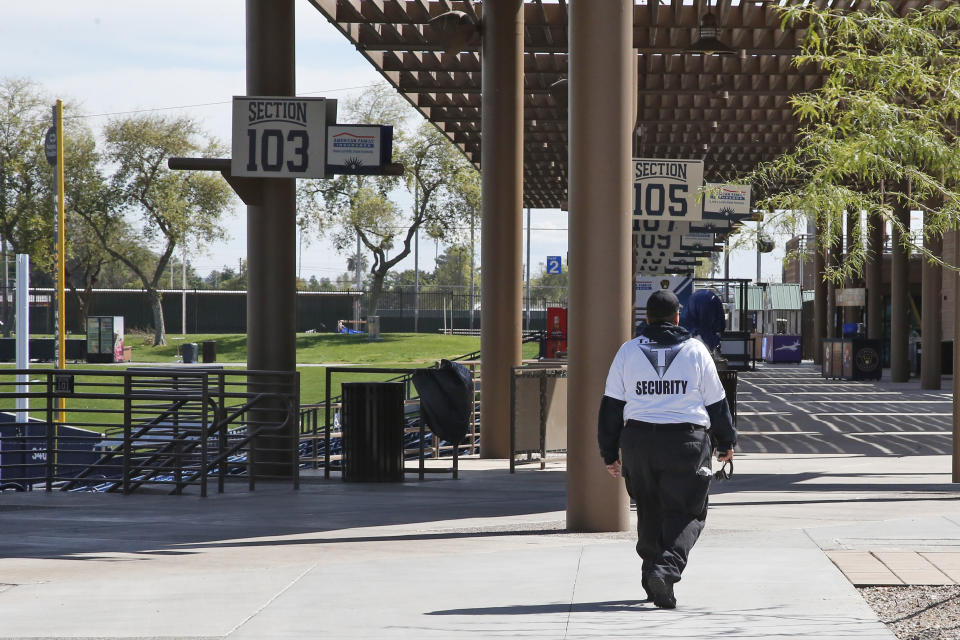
x=819, y=294
x=899, y=302
x=955, y=466
x=931, y=330
x=600, y=235
x=271, y=226
x=852, y=314
x=834, y=256
x=501, y=239
x=874, y=277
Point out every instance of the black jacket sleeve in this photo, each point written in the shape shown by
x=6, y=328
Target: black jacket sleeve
x=609, y=426
x=722, y=430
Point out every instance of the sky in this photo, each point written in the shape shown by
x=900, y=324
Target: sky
x=186, y=57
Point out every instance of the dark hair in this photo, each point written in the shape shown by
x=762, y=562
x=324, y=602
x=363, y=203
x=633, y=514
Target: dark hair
x=662, y=306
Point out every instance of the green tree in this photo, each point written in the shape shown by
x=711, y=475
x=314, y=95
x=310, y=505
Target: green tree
x=550, y=286
x=453, y=267
x=26, y=196
x=355, y=261
x=407, y=278
x=881, y=132
x=169, y=208
x=215, y=279
x=87, y=192
x=315, y=284
x=228, y=279
x=350, y=207
x=345, y=281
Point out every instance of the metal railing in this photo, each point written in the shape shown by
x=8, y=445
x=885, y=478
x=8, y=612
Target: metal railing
x=320, y=425
x=114, y=431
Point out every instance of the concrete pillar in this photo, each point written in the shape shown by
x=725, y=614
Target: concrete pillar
x=819, y=294
x=899, y=303
x=874, y=277
x=501, y=228
x=931, y=330
x=271, y=227
x=601, y=35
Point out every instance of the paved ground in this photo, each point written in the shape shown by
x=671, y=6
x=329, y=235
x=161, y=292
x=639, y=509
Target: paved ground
x=487, y=556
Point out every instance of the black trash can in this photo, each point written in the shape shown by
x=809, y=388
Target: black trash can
x=189, y=351
x=209, y=351
x=728, y=378
x=372, y=423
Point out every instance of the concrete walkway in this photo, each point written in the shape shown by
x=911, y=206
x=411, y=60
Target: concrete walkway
x=486, y=556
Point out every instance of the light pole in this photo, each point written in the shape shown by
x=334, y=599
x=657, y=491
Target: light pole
x=528, y=271
x=416, y=262
x=183, y=292
x=759, y=237
x=472, y=264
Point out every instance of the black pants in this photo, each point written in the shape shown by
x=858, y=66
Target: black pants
x=660, y=468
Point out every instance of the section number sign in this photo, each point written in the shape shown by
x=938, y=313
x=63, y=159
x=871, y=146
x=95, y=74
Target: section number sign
x=554, y=265
x=667, y=189
x=279, y=137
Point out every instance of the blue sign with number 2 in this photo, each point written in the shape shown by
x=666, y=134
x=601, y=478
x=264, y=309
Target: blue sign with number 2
x=553, y=265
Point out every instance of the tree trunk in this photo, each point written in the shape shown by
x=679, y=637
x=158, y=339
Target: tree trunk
x=82, y=308
x=159, y=331
x=87, y=302
x=376, y=290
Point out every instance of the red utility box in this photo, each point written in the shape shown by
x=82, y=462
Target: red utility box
x=556, y=332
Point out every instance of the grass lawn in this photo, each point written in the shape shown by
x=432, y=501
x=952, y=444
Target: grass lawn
x=315, y=348
x=396, y=350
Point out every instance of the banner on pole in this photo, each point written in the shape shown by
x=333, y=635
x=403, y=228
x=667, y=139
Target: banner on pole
x=725, y=200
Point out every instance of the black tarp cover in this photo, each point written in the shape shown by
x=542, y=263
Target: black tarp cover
x=446, y=399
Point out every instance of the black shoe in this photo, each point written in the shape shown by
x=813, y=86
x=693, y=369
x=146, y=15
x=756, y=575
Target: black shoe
x=646, y=589
x=662, y=592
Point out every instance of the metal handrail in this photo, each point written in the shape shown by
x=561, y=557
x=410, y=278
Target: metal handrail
x=186, y=416
x=111, y=454
x=225, y=454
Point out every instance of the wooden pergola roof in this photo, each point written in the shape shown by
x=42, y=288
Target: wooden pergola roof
x=730, y=110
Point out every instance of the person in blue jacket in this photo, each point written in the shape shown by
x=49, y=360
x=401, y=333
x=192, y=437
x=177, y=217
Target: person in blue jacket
x=703, y=317
x=663, y=410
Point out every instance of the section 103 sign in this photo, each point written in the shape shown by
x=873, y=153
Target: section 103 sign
x=667, y=189
x=277, y=137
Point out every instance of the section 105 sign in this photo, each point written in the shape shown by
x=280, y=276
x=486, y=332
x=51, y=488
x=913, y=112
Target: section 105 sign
x=278, y=137
x=667, y=189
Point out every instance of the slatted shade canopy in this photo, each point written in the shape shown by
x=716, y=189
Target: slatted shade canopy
x=732, y=111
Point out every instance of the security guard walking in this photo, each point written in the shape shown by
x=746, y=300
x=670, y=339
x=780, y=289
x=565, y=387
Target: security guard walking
x=665, y=410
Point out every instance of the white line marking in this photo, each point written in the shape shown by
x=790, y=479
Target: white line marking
x=877, y=401
x=898, y=433
x=779, y=433
x=880, y=414
x=835, y=393
x=764, y=413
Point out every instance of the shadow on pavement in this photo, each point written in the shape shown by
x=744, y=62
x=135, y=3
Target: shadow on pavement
x=560, y=607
